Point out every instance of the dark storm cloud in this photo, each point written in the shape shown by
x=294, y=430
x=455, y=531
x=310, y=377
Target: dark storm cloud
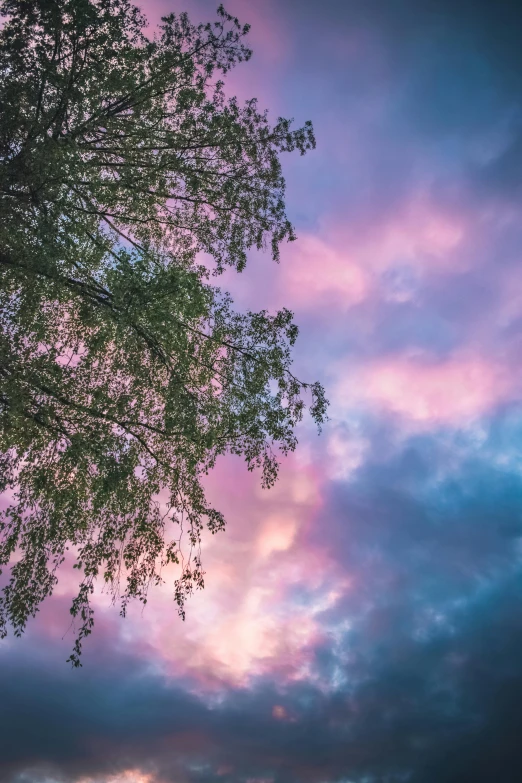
x=432, y=514
x=422, y=685
x=431, y=711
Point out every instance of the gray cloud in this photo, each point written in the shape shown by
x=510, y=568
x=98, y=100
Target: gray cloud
x=443, y=709
x=422, y=687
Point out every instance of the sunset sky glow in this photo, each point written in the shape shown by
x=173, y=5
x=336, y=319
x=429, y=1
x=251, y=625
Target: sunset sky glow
x=362, y=620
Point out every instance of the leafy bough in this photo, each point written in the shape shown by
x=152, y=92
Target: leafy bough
x=124, y=371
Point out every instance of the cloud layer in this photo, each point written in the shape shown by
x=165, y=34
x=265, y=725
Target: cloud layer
x=362, y=621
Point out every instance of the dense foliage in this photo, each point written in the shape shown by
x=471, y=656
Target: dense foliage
x=124, y=371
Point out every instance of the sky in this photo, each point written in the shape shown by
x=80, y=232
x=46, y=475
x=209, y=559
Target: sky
x=362, y=620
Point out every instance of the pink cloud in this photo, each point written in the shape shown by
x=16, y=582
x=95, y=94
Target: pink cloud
x=132, y=775
x=314, y=270
x=417, y=232
x=277, y=535
x=346, y=265
x=453, y=391
x=245, y=623
x=420, y=233
x=279, y=712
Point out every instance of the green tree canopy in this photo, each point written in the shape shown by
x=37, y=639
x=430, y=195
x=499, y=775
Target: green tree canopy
x=124, y=371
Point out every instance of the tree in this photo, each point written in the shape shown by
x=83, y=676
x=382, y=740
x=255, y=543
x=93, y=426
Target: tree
x=124, y=370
